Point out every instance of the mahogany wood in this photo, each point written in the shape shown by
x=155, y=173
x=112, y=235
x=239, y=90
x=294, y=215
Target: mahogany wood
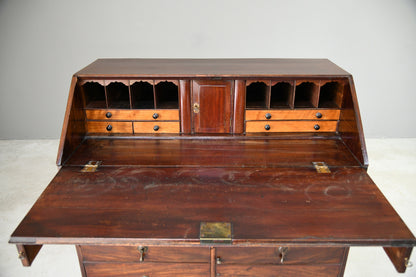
x=217, y=152
x=278, y=270
x=293, y=114
x=124, y=115
x=116, y=127
x=150, y=127
x=214, y=106
x=185, y=106
x=130, y=254
x=343, y=208
x=272, y=255
x=154, y=189
x=147, y=269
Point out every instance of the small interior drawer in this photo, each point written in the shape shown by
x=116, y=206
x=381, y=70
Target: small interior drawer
x=148, y=270
x=305, y=114
x=109, y=127
x=291, y=126
x=152, y=254
x=151, y=115
x=156, y=127
x=273, y=255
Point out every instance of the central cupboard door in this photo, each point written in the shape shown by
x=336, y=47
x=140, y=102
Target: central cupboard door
x=212, y=106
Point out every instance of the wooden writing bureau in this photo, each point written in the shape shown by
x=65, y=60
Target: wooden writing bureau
x=252, y=167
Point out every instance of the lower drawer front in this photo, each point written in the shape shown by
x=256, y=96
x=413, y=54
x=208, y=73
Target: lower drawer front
x=273, y=255
x=291, y=126
x=109, y=127
x=278, y=270
x=102, y=253
x=148, y=270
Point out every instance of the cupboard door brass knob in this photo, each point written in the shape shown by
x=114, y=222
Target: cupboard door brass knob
x=218, y=260
x=196, y=108
x=267, y=127
x=156, y=128
x=108, y=115
x=268, y=116
x=109, y=127
x=155, y=115
x=318, y=115
x=317, y=127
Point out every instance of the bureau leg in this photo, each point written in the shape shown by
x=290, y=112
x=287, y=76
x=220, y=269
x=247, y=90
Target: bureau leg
x=213, y=262
x=344, y=262
x=81, y=260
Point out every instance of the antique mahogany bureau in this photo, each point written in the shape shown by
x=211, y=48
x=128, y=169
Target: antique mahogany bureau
x=213, y=167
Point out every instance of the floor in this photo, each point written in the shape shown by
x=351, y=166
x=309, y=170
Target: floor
x=26, y=167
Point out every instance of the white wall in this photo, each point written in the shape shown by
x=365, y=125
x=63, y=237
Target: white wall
x=42, y=43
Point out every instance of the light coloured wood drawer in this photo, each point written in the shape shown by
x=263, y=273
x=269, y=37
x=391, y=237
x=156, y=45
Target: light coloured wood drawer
x=131, y=254
x=156, y=127
x=109, y=127
x=273, y=255
x=151, y=115
x=149, y=269
x=278, y=270
x=293, y=114
x=291, y=126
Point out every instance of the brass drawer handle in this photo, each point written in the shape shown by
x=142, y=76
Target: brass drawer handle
x=283, y=252
x=142, y=252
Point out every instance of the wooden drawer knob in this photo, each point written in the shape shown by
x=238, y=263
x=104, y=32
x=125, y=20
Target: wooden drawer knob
x=155, y=115
x=268, y=116
x=267, y=127
x=318, y=115
x=109, y=127
x=317, y=127
x=156, y=128
x=108, y=115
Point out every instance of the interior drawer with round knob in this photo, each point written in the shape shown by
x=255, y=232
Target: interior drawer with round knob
x=109, y=127
x=132, y=114
x=305, y=114
x=146, y=270
x=279, y=255
x=156, y=127
x=142, y=254
x=291, y=126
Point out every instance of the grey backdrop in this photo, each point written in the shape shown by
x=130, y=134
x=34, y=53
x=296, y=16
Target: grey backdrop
x=42, y=43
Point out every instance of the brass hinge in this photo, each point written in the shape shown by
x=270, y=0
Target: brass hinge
x=91, y=166
x=215, y=232
x=321, y=167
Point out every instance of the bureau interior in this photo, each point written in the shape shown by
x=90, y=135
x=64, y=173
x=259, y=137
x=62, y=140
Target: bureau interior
x=278, y=109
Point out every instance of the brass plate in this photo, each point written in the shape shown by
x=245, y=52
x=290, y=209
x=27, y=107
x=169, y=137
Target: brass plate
x=321, y=167
x=215, y=232
x=91, y=166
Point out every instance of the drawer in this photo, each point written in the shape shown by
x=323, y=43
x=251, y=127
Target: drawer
x=156, y=127
x=278, y=270
x=153, y=254
x=291, y=126
x=148, y=270
x=150, y=115
x=109, y=127
x=272, y=255
x=293, y=114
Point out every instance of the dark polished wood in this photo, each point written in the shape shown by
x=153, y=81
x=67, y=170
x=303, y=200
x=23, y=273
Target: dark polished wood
x=212, y=106
x=153, y=149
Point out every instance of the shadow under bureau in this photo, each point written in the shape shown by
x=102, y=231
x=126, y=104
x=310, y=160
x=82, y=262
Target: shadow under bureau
x=213, y=167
